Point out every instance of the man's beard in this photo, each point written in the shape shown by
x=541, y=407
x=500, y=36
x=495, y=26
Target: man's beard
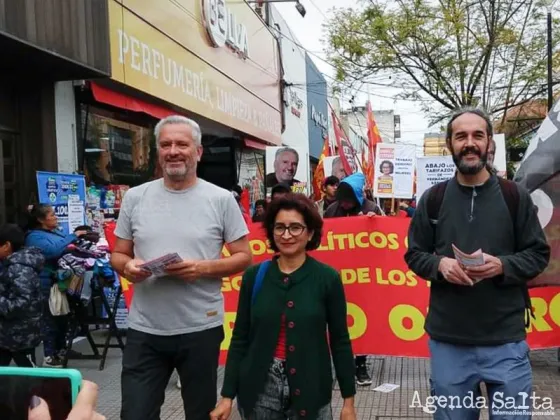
x=464, y=167
x=176, y=174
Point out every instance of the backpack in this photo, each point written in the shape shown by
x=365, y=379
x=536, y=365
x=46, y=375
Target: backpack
x=511, y=197
x=259, y=279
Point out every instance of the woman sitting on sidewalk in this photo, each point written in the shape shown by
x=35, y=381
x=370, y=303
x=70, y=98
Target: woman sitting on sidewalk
x=279, y=364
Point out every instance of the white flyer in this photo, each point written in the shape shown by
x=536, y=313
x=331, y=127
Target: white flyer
x=386, y=388
x=157, y=266
x=468, y=260
x=76, y=215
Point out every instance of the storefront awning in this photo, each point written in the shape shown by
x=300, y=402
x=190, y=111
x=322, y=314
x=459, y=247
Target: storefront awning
x=120, y=100
x=255, y=144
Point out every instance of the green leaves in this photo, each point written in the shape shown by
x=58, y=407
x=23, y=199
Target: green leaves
x=451, y=52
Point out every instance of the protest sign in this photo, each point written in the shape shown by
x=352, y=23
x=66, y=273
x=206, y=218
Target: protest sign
x=394, y=170
x=432, y=170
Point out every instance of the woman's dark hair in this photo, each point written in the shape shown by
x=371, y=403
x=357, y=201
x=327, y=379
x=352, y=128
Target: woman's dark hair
x=13, y=234
x=387, y=162
x=305, y=207
x=35, y=214
x=260, y=203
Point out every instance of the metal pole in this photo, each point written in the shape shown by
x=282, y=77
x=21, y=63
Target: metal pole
x=549, y=47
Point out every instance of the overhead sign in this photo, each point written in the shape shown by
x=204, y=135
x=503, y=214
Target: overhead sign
x=223, y=28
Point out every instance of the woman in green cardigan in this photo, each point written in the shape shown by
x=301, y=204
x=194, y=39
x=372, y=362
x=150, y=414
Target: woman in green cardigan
x=279, y=363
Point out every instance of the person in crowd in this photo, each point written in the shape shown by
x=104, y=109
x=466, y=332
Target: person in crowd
x=176, y=320
x=260, y=209
x=21, y=303
x=491, y=155
x=477, y=314
x=286, y=163
x=237, y=191
x=406, y=207
x=84, y=409
x=279, y=363
x=43, y=233
x=330, y=184
x=350, y=201
x=279, y=191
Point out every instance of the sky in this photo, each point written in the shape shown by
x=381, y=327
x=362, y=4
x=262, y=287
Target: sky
x=310, y=34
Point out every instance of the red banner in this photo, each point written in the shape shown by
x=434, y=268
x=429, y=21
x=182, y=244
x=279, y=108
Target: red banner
x=387, y=303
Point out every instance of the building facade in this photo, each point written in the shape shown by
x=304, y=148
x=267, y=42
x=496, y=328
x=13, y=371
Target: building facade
x=434, y=144
x=42, y=43
x=179, y=57
x=355, y=120
x=317, y=108
x=294, y=80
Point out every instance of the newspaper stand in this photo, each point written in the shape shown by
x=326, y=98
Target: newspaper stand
x=80, y=319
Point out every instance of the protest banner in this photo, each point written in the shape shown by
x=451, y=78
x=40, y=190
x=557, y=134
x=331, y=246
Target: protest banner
x=394, y=170
x=431, y=170
x=387, y=303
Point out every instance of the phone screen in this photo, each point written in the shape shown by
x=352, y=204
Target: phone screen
x=16, y=392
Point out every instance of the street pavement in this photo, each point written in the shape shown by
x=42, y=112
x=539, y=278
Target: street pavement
x=411, y=374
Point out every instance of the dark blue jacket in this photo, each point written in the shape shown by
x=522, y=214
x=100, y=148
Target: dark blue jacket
x=52, y=245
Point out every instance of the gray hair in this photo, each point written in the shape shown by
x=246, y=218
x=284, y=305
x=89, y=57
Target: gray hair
x=179, y=119
x=284, y=150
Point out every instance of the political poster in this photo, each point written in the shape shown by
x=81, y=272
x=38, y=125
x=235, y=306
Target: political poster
x=66, y=193
x=394, y=170
x=431, y=170
x=287, y=165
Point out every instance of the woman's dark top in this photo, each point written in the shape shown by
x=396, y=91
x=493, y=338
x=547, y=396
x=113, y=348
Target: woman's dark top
x=313, y=301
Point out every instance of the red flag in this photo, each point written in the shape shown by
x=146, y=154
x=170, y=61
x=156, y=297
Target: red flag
x=345, y=149
x=373, y=139
x=319, y=174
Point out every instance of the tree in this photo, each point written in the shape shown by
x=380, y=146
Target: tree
x=455, y=53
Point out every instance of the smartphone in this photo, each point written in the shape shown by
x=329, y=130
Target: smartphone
x=58, y=387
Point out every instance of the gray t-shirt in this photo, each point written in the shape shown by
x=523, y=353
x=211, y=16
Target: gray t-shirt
x=195, y=223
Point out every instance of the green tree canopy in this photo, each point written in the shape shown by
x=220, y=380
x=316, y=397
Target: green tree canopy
x=454, y=53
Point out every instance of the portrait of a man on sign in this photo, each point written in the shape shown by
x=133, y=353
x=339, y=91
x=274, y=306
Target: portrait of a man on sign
x=285, y=167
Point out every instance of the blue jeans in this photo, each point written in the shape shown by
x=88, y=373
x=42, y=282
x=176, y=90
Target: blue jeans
x=458, y=371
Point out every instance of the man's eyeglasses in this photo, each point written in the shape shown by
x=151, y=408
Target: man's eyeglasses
x=295, y=229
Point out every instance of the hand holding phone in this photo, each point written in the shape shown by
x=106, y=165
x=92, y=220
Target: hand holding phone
x=84, y=409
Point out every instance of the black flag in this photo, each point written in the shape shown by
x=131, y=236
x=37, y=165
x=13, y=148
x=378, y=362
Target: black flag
x=540, y=174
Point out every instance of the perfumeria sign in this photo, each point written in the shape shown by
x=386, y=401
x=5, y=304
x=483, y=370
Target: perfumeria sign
x=223, y=29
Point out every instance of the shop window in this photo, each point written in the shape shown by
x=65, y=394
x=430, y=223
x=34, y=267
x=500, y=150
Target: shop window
x=116, y=151
x=251, y=173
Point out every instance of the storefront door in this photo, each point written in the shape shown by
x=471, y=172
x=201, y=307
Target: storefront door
x=8, y=177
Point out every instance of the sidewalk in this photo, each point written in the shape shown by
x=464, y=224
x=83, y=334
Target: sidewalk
x=410, y=373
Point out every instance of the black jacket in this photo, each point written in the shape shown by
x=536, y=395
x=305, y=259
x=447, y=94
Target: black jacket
x=21, y=303
x=492, y=312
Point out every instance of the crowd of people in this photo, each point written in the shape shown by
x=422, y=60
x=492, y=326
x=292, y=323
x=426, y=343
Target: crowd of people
x=291, y=318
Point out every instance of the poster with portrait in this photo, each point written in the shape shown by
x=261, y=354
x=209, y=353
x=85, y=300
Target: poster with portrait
x=333, y=166
x=394, y=170
x=287, y=165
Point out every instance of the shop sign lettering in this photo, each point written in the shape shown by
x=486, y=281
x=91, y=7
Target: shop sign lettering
x=319, y=118
x=223, y=28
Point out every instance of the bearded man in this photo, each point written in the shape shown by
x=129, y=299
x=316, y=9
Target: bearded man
x=478, y=307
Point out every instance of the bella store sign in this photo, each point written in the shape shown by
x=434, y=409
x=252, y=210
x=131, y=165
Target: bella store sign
x=223, y=28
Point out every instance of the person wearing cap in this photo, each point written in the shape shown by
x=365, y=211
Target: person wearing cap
x=330, y=186
x=350, y=201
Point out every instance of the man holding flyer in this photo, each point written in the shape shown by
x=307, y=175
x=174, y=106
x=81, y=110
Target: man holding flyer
x=478, y=240
x=170, y=234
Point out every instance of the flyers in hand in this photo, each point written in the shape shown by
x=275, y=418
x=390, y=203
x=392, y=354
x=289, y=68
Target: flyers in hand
x=468, y=260
x=157, y=267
